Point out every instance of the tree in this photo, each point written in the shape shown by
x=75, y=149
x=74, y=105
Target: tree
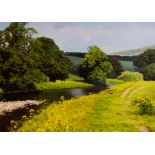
x=145, y=58
x=18, y=60
x=53, y=62
x=95, y=65
x=149, y=72
x=25, y=60
x=117, y=68
x=130, y=76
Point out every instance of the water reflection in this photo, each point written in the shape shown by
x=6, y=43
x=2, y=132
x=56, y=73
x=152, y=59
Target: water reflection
x=50, y=95
x=77, y=92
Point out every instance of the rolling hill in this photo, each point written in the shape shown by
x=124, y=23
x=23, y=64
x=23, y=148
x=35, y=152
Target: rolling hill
x=134, y=51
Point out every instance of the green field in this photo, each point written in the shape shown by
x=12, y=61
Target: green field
x=128, y=65
x=1, y=90
x=75, y=60
x=72, y=82
x=60, y=85
x=112, y=110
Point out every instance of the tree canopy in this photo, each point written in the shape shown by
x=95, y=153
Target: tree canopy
x=145, y=58
x=95, y=65
x=117, y=68
x=25, y=60
x=149, y=72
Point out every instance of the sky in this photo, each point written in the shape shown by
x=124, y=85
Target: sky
x=109, y=36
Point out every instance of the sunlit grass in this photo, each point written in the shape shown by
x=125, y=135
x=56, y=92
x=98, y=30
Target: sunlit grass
x=113, y=81
x=71, y=115
x=1, y=90
x=61, y=85
x=110, y=110
x=73, y=81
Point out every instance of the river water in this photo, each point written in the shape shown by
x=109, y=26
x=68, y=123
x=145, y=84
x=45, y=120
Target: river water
x=51, y=95
x=48, y=96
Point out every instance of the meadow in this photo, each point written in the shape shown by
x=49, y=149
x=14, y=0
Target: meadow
x=128, y=106
x=75, y=60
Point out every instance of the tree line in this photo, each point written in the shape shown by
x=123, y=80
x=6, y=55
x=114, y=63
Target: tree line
x=26, y=59
x=145, y=64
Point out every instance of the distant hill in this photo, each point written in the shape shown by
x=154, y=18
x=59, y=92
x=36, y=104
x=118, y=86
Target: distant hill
x=133, y=52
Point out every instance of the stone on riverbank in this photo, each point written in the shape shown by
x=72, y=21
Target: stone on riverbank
x=8, y=107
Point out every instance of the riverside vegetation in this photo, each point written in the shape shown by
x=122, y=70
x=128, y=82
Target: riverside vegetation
x=126, y=107
x=72, y=82
x=29, y=63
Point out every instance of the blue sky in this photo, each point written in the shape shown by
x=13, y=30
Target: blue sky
x=111, y=37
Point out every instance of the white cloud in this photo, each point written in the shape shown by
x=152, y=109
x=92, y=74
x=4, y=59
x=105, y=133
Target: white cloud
x=108, y=36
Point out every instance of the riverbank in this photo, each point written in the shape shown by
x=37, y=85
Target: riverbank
x=1, y=90
x=9, y=107
x=110, y=110
x=61, y=85
x=73, y=81
x=15, y=110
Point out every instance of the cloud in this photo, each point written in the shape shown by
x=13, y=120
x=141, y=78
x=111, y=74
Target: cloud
x=79, y=32
x=110, y=36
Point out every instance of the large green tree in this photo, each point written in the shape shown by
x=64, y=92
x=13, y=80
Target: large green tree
x=25, y=60
x=18, y=60
x=95, y=65
x=54, y=64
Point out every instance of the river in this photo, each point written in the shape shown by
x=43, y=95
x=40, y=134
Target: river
x=47, y=95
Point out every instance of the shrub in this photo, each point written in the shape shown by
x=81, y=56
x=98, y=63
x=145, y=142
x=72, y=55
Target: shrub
x=130, y=76
x=145, y=105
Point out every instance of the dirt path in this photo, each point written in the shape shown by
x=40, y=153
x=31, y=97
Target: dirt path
x=129, y=91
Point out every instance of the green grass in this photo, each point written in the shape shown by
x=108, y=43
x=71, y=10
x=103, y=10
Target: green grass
x=110, y=110
x=75, y=60
x=75, y=78
x=113, y=81
x=128, y=65
x=1, y=90
x=72, y=82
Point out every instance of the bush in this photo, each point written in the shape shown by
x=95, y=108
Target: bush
x=130, y=76
x=145, y=105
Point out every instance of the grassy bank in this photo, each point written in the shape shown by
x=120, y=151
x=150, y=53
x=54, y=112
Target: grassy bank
x=110, y=110
x=113, y=81
x=1, y=90
x=72, y=82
